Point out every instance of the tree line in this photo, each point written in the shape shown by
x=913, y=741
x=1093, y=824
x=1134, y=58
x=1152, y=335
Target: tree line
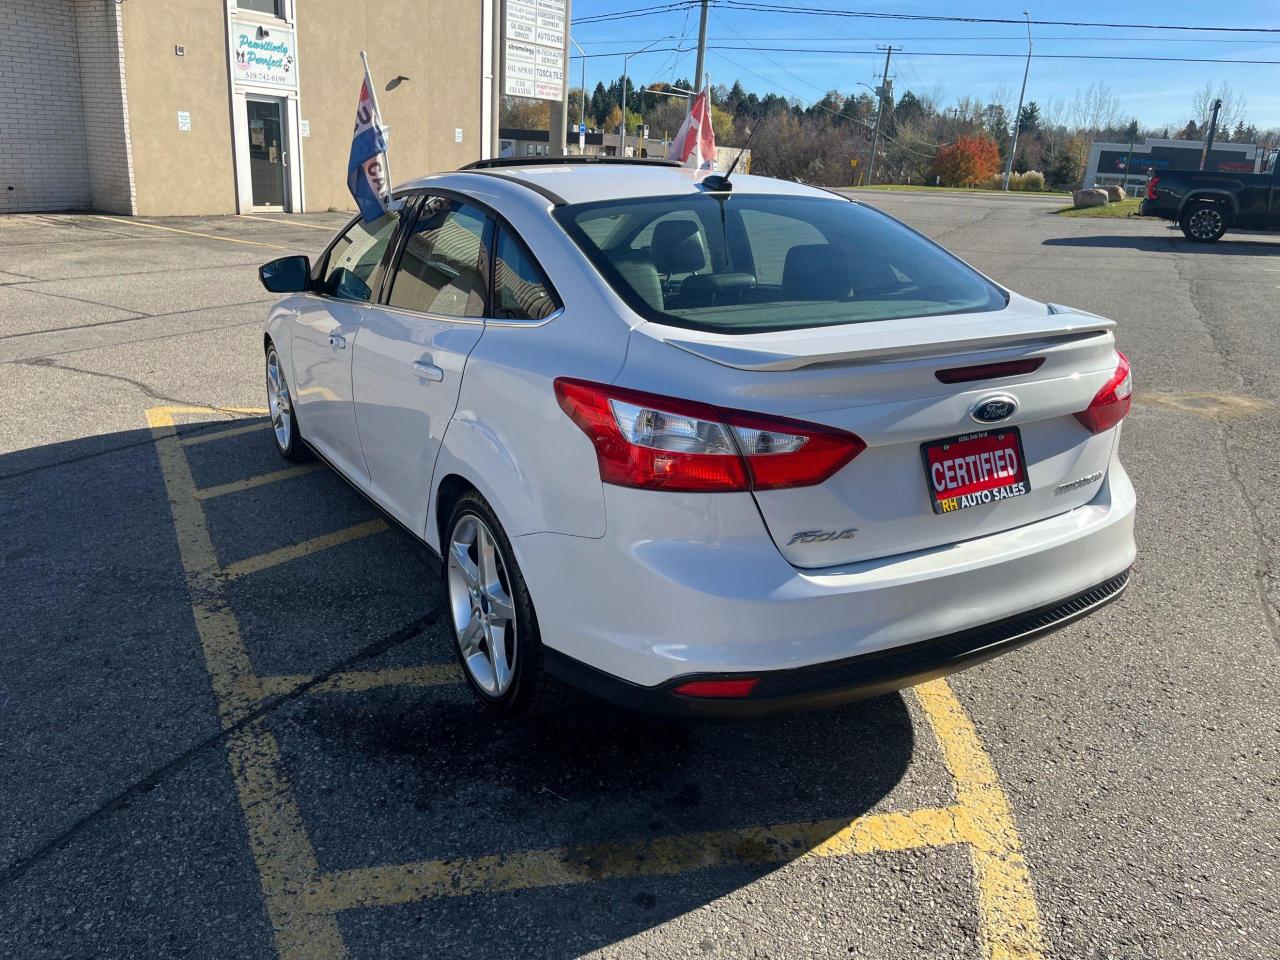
x=923, y=138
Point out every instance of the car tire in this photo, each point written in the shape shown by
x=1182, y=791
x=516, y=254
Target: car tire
x=1203, y=222
x=495, y=628
x=283, y=419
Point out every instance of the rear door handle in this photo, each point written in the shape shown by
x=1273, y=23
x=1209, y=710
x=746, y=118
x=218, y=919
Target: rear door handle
x=338, y=341
x=427, y=370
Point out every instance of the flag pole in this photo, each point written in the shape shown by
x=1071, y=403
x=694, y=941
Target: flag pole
x=377, y=112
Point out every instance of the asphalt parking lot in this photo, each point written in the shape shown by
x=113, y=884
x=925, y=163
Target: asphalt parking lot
x=230, y=724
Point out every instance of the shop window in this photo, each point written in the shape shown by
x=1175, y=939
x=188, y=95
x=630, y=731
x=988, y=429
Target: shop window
x=272, y=8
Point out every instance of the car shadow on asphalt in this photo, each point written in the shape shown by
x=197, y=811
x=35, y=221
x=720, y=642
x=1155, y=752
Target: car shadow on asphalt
x=1226, y=247
x=101, y=615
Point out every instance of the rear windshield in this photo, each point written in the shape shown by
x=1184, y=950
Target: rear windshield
x=750, y=264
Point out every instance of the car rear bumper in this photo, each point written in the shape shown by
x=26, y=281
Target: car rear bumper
x=692, y=585
x=841, y=681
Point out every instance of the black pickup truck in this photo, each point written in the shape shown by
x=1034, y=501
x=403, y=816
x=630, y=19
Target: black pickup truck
x=1206, y=204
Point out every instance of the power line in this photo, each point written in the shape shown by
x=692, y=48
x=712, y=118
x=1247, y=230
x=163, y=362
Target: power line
x=900, y=38
x=673, y=7
x=950, y=53
x=757, y=6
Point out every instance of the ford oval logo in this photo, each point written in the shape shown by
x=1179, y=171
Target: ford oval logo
x=994, y=409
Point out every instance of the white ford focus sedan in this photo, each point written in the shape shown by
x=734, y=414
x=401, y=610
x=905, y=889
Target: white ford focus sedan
x=703, y=446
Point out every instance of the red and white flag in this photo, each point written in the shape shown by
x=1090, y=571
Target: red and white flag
x=695, y=144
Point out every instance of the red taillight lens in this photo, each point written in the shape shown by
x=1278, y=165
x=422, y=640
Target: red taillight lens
x=1151, y=187
x=664, y=443
x=717, y=688
x=1112, y=402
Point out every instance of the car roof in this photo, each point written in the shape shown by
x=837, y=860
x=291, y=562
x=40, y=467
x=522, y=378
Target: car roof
x=585, y=183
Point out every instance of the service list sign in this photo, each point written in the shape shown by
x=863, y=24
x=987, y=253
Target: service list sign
x=533, y=49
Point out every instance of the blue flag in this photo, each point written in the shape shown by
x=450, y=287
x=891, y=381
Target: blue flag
x=367, y=165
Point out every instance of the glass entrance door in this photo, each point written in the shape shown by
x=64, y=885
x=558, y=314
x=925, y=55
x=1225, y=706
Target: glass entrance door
x=267, y=152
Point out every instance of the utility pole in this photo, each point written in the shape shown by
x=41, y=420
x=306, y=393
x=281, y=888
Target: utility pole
x=1128, y=164
x=702, y=48
x=1213, y=130
x=1017, y=117
x=558, y=115
x=884, y=92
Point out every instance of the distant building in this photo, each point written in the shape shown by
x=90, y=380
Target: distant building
x=1109, y=163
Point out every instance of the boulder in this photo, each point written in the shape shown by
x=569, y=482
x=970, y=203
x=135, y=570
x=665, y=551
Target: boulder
x=1092, y=197
x=1116, y=192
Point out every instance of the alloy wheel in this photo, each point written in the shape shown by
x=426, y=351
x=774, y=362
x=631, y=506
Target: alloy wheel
x=484, y=618
x=1205, y=224
x=278, y=401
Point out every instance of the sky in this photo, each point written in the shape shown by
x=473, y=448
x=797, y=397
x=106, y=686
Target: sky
x=1158, y=94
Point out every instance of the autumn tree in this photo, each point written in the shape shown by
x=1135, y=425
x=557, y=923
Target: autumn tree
x=969, y=161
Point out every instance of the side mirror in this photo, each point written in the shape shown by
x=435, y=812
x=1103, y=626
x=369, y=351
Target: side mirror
x=286, y=275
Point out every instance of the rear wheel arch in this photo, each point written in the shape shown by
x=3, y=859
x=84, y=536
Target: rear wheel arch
x=452, y=488
x=1224, y=200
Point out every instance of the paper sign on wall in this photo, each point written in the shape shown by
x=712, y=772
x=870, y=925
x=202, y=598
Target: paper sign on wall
x=184, y=121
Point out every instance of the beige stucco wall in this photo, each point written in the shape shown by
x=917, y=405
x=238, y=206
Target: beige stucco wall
x=437, y=45
x=175, y=172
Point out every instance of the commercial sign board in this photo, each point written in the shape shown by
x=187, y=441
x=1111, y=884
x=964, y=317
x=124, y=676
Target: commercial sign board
x=1147, y=160
x=270, y=59
x=533, y=49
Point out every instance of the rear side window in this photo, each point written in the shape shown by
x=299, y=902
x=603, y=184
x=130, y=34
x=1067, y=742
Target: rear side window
x=440, y=271
x=742, y=263
x=521, y=291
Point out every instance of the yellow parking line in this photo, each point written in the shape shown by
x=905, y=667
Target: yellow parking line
x=355, y=681
x=278, y=839
x=192, y=233
x=291, y=223
x=275, y=557
x=1009, y=919
x=666, y=856
x=302, y=902
x=261, y=480
x=200, y=438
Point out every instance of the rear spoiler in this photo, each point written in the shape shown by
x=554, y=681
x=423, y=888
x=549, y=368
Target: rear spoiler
x=883, y=340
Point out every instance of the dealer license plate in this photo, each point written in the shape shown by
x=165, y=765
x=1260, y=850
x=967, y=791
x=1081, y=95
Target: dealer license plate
x=974, y=469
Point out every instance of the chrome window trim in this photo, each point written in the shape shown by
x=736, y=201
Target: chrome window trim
x=443, y=318
x=467, y=321
x=507, y=322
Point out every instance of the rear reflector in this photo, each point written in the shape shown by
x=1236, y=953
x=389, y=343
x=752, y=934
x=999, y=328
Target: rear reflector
x=989, y=371
x=717, y=688
x=665, y=443
x=1111, y=404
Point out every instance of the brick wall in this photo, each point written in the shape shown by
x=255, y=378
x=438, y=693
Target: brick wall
x=42, y=140
x=105, y=106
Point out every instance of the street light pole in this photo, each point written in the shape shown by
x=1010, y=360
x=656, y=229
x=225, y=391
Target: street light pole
x=582, y=114
x=622, y=129
x=1017, y=117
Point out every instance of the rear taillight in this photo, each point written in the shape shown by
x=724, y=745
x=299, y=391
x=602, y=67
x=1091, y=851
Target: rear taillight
x=1151, y=187
x=664, y=443
x=1112, y=402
